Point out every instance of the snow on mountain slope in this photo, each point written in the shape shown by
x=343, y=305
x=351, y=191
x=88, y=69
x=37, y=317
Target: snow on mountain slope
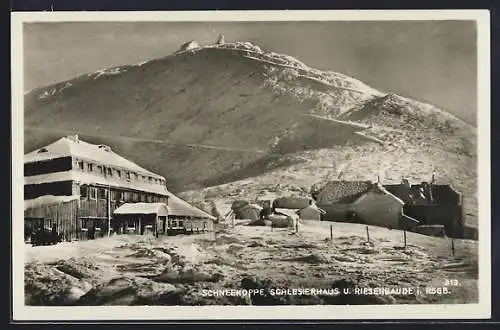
x=211, y=115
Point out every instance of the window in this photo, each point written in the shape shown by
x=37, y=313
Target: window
x=80, y=164
x=181, y=223
x=128, y=175
x=136, y=176
x=48, y=223
x=131, y=224
x=90, y=167
x=116, y=195
x=135, y=196
x=100, y=169
x=92, y=192
x=150, y=198
x=128, y=196
x=102, y=193
x=85, y=224
x=143, y=198
x=119, y=173
x=150, y=178
x=84, y=192
x=144, y=178
x=110, y=171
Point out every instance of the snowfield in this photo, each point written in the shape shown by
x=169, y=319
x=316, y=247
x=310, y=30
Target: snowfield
x=180, y=270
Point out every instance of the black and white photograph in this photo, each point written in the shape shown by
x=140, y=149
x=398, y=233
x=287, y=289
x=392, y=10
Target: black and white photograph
x=225, y=164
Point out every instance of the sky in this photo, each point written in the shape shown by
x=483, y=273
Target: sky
x=429, y=61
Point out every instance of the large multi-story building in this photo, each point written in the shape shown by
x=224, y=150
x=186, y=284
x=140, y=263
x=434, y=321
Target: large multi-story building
x=75, y=187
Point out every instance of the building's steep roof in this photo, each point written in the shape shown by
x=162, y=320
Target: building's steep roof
x=72, y=146
x=47, y=200
x=425, y=193
x=94, y=178
x=313, y=207
x=179, y=207
x=291, y=202
x=141, y=208
x=379, y=189
x=342, y=192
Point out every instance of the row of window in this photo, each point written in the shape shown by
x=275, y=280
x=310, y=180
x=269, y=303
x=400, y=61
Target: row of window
x=113, y=172
x=87, y=192
x=175, y=224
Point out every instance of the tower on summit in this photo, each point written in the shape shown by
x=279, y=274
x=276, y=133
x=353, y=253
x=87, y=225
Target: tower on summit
x=220, y=39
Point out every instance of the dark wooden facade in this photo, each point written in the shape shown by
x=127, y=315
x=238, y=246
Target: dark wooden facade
x=98, y=189
x=141, y=224
x=150, y=224
x=88, y=216
x=432, y=204
x=63, y=215
x=428, y=203
x=58, y=188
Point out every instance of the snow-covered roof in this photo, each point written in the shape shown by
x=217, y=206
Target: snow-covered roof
x=178, y=206
x=288, y=212
x=314, y=207
x=142, y=208
x=255, y=206
x=378, y=188
x=94, y=178
x=341, y=191
x=48, y=200
x=73, y=146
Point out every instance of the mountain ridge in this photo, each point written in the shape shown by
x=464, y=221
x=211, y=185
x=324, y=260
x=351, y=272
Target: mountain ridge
x=231, y=111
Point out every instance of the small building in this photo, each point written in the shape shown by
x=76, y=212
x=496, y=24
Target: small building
x=424, y=204
x=432, y=204
x=363, y=202
x=336, y=197
x=174, y=217
x=282, y=217
x=378, y=207
x=182, y=216
x=140, y=218
x=311, y=212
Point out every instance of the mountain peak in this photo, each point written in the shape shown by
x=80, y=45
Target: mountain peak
x=215, y=113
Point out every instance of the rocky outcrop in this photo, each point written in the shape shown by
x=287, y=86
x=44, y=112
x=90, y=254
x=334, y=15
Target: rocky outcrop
x=190, y=45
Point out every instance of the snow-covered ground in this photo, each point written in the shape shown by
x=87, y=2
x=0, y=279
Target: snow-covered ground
x=128, y=270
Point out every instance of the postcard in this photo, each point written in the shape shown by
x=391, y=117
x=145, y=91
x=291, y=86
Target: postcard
x=240, y=165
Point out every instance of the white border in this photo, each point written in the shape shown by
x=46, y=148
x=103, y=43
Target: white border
x=466, y=311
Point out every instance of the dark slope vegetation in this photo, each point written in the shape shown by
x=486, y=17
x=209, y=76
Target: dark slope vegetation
x=217, y=114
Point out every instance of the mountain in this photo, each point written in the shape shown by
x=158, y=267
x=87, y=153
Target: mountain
x=217, y=115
